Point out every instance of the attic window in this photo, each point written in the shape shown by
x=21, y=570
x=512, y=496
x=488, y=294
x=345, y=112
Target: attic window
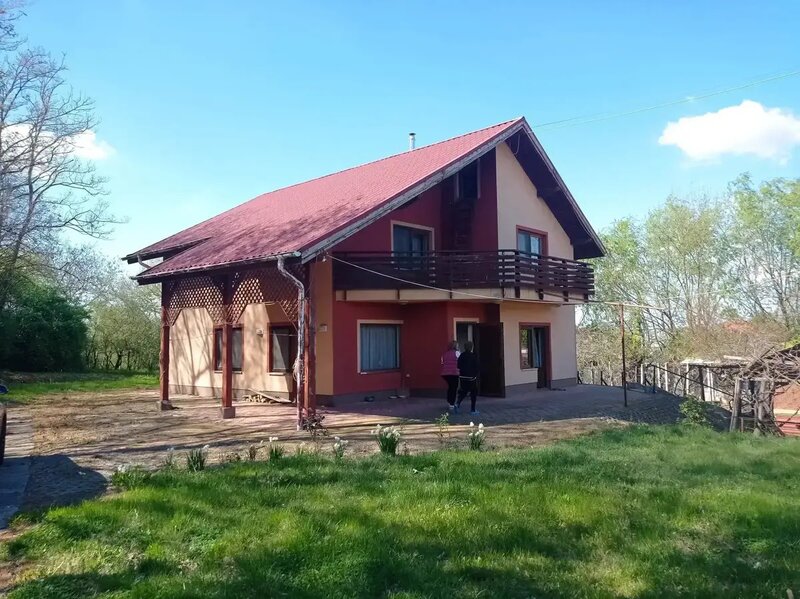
x=468, y=182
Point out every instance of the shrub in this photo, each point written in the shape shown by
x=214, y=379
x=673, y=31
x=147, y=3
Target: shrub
x=388, y=439
x=443, y=427
x=129, y=477
x=252, y=451
x=314, y=426
x=339, y=445
x=276, y=450
x=232, y=457
x=694, y=412
x=196, y=459
x=476, y=436
x=169, y=460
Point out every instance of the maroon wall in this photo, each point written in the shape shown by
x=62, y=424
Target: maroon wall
x=377, y=237
x=484, y=223
x=430, y=210
x=426, y=330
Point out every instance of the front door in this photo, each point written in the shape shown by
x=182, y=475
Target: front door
x=490, y=354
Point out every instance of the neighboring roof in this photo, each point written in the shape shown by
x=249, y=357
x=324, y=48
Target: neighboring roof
x=304, y=219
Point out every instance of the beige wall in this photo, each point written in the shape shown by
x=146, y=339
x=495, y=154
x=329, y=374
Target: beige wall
x=562, y=339
x=190, y=364
x=191, y=352
x=518, y=204
x=322, y=298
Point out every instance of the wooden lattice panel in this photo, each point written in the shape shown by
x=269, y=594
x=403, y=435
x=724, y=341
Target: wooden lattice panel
x=196, y=292
x=260, y=286
x=253, y=286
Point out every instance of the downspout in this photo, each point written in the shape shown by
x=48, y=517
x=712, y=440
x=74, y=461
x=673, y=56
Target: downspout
x=299, y=362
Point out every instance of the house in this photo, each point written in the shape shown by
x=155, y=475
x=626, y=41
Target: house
x=352, y=284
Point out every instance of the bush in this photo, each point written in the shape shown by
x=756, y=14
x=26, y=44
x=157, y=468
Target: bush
x=169, y=460
x=43, y=330
x=196, y=459
x=388, y=439
x=276, y=450
x=694, y=412
x=129, y=477
x=252, y=451
x=339, y=446
x=443, y=428
x=475, y=436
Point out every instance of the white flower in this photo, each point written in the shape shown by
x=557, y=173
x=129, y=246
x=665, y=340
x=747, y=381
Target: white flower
x=472, y=424
x=206, y=447
x=273, y=439
x=480, y=426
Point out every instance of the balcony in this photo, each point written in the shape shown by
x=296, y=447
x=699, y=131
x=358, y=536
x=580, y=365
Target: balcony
x=515, y=273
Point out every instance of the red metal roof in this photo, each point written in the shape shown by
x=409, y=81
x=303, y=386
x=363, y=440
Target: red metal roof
x=294, y=218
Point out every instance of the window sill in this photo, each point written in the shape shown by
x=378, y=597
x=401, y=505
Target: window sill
x=389, y=371
x=279, y=373
x=234, y=372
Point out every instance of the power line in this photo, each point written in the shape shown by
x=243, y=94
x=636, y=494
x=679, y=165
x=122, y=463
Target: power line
x=597, y=117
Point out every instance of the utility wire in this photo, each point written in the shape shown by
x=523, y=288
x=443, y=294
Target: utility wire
x=597, y=117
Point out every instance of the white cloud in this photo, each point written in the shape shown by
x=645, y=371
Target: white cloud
x=86, y=145
x=748, y=128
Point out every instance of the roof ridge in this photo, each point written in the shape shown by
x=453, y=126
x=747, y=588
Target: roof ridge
x=363, y=164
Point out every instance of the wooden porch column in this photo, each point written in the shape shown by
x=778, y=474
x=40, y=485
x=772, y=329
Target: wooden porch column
x=226, y=409
x=163, y=358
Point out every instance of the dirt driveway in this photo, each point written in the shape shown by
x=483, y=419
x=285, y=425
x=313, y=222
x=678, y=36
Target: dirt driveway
x=80, y=439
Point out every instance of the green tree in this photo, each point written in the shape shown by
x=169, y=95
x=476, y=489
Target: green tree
x=765, y=235
x=42, y=330
x=124, y=329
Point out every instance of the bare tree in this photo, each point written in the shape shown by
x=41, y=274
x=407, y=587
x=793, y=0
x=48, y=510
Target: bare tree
x=46, y=187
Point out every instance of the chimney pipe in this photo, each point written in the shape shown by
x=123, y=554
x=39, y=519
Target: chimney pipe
x=412, y=139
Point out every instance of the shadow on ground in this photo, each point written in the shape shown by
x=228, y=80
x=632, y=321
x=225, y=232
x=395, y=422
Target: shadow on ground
x=56, y=480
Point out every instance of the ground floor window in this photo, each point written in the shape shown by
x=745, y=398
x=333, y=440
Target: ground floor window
x=282, y=348
x=237, y=348
x=531, y=347
x=379, y=346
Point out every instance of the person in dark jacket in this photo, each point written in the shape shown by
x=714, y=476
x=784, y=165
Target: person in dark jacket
x=468, y=371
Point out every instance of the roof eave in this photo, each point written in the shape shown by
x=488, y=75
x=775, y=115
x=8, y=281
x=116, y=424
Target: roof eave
x=593, y=236
x=144, y=278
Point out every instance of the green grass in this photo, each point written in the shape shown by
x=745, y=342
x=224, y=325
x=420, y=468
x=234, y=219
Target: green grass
x=644, y=512
x=24, y=388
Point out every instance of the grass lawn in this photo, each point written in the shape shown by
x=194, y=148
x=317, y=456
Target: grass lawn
x=642, y=512
x=25, y=387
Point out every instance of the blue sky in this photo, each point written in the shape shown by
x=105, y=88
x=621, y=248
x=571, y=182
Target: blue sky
x=207, y=104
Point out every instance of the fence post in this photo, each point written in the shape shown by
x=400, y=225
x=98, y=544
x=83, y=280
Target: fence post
x=654, y=378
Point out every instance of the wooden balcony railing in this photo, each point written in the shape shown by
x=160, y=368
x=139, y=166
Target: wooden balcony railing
x=506, y=269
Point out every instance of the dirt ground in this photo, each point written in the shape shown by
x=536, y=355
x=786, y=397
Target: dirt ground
x=80, y=439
